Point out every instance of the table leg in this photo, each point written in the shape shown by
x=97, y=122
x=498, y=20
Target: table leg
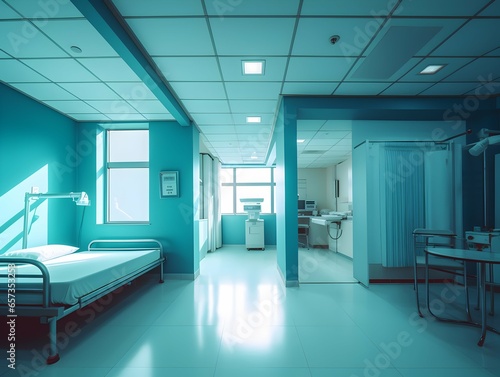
x=482, y=290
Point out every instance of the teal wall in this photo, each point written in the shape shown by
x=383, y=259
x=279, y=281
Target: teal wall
x=36, y=149
x=233, y=229
x=173, y=220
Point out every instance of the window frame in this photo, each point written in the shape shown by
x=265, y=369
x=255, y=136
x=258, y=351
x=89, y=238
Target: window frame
x=235, y=184
x=121, y=165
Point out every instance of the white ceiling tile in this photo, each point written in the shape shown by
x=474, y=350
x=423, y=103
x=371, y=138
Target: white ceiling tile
x=4, y=55
x=451, y=65
x=221, y=136
x=252, y=36
x=253, y=90
x=413, y=26
x=306, y=134
x=361, y=88
x=482, y=69
x=313, y=36
x=148, y=106
x=125, y=117
x=309, y=88
x=258, y=106
x=44, y=91
x=332, y=135
x=40, y=10
x=450, y=88
x=318, y=141
x=206, y=106
x=213, y=119
x=132, y=90
x=61, y=70
x=112, y=107
x=14, y=71
x=310, y=147
x=337, y=125
x=210, y=129
x=223, y=9
x=406, y=89
x=159, y=8
x=165, y=116
x=7, y=12
x=492, y=10
x=347, y=8
x=274, y=68
x=90, y=91
x=178, y=36
x=199, y=90
x=89, y=117
x=188, y=68
x=266, y=119
x=80, y=33
x=470, y=40
x=446, y=8
x=309, y=125
x=76, y=107
x=22, y=39
x=109, y=69
x=318, y=69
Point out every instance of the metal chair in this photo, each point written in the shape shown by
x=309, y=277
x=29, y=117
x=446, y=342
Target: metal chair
x=437, y=238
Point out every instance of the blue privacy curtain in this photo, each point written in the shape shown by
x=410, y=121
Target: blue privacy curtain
x=416, y=191
x=402, y=200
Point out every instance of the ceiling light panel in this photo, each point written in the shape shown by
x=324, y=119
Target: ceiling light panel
x=252, y=67
x=431, y=69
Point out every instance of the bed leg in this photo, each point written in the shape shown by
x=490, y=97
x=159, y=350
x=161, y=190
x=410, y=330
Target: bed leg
x=161, y=274
x=53, y=356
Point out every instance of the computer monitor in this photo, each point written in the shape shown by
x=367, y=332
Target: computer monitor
x=302, y=204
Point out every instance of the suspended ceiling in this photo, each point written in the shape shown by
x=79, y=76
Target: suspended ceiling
x=195, y=49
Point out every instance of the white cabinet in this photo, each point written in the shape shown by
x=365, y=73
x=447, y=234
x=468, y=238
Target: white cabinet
x=344, y=244
x=254, y=234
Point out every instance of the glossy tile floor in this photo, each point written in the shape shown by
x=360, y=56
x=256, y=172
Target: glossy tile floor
x=324, y=266
x=236, y=319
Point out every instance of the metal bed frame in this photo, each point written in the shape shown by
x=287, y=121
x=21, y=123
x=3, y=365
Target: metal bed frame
x=49, y=313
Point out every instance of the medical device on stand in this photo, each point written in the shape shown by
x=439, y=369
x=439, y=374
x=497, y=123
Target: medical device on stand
x=254, y=226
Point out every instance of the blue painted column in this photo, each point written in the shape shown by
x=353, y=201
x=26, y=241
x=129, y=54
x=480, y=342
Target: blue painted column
x=285, y=136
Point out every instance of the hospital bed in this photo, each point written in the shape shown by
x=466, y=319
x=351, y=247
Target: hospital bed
x=51, y=289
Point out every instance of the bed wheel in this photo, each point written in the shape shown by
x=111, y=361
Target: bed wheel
x=53, y=359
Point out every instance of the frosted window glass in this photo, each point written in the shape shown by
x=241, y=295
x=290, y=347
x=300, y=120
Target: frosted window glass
x=128, y=146
x=253, y=175
x=227, y=196
x=128, y=195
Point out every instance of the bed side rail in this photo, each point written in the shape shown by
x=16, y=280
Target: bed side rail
x=44, y=289
x=126, y=244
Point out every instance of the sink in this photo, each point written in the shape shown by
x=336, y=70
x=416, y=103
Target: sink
x=332, y=217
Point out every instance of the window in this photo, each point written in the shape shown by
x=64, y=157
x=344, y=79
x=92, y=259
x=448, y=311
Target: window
x=237, y=183
x=127, y=168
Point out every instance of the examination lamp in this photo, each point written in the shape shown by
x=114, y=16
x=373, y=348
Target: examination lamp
x=481, y=145
x=79, y=198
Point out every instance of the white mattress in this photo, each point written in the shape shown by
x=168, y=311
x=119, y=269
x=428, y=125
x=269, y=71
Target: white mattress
x=75, y=275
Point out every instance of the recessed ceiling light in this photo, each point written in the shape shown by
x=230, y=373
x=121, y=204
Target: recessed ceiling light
x=431, y=69
x=300, y=140
x=254, y=157
x=76, y=49
x=254, y=67
x=254, y=119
